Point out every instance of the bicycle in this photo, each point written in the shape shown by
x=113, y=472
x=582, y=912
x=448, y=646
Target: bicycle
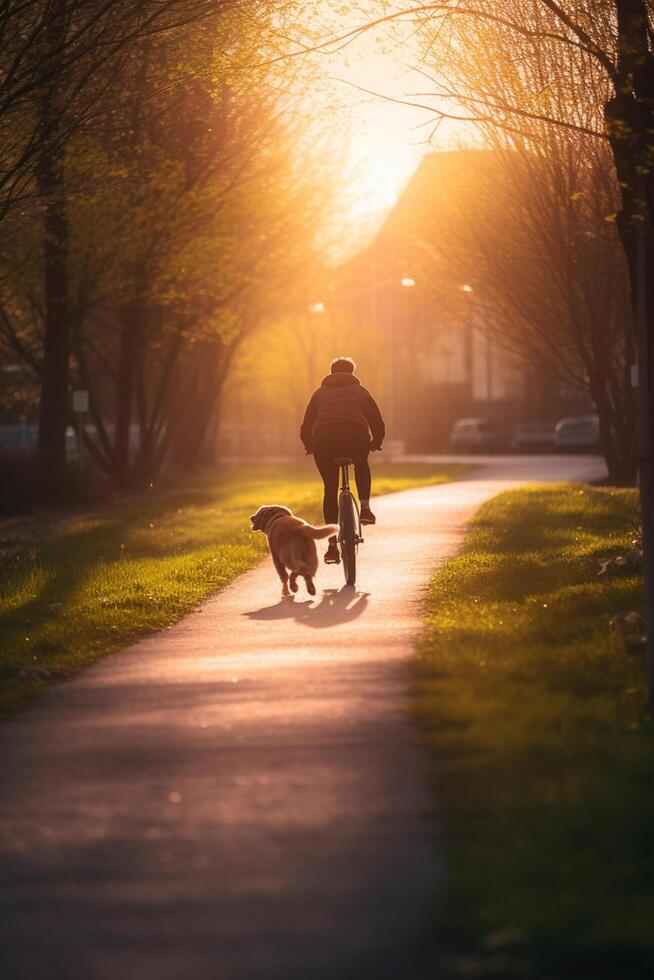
x=349, y=523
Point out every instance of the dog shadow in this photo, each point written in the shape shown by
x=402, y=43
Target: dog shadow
x=334, y=606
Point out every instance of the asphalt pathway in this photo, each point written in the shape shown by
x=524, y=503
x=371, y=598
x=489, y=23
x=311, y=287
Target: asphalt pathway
x=243, y=796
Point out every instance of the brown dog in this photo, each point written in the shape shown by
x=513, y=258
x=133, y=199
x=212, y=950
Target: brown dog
x=292, y=544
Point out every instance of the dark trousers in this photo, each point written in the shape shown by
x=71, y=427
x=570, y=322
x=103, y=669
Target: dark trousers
x=325, y=451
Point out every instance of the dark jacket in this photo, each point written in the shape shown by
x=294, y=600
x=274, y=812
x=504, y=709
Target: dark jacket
x=342, y=406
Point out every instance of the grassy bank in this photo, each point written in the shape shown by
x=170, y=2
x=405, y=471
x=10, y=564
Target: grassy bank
x=75, y=587
x=543, y=754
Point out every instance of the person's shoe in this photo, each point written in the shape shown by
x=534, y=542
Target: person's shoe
x=332, y=555
x=367, y=516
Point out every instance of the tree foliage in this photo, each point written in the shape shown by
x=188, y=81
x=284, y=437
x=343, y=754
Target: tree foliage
x=162, y=224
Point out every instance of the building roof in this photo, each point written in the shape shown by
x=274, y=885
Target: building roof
x=441, y=179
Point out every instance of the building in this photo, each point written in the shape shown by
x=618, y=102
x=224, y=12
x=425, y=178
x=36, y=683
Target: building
x=422, y=306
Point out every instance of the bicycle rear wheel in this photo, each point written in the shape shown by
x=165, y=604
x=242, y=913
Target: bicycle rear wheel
x=347, y=523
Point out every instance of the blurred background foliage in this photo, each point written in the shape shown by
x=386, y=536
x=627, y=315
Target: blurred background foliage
x=173, y=204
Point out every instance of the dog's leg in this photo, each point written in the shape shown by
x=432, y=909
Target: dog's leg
x=283, y=574
x=311, y=589
x=293, y=582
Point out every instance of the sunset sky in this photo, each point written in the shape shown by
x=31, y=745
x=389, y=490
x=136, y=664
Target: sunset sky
x=386, y=139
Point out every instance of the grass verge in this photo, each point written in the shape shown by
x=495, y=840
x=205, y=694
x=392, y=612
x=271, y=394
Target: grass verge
x=75, y=587
x=542, y=750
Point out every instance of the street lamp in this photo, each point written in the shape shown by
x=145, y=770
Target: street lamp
x=317, y=308
x=395, y=359
x=466, y=288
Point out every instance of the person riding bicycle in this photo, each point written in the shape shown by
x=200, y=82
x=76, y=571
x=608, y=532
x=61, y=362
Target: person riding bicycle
x=342, y=419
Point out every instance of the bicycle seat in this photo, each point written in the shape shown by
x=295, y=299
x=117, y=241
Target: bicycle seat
x=343, y=461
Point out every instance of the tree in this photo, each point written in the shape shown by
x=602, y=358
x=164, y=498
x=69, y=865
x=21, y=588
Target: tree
x=527, y=230
x=74, y=48
x=597, y=76
x=53, y=67
x=187, y=210
x=597, y=59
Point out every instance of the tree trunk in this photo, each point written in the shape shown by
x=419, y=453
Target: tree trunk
x=155, y=432
x=195, y=422
x=129, y=339
x=53, y=410
x=629, y=117
x=210, y=455
x=198, y=426
x=607, y=441
x=617, y=446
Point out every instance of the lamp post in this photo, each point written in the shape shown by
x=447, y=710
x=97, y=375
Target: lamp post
x=466, y=288
x=468, y=353
x=316, y=312
x=406, y=282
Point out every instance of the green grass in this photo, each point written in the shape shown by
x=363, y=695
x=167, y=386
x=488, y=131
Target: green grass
x=543, y=752
x=75, y=587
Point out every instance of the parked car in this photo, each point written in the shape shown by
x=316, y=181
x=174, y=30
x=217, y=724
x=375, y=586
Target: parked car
x=580, y=432
x=475, y=436
x=533, y=437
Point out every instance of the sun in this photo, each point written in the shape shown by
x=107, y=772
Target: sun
x=386, y=138
x=368, y=95
x=380, y=166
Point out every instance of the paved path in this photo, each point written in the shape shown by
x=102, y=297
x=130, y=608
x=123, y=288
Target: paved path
x=242, y=797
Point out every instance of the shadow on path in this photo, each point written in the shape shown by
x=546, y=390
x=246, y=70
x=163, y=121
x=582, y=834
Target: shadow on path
x=333, y=607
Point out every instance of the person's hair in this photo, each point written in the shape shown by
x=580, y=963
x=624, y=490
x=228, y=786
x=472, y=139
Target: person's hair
x=343, y=364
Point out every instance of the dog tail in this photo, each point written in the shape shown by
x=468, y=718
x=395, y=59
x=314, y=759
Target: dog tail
x=309, y=531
